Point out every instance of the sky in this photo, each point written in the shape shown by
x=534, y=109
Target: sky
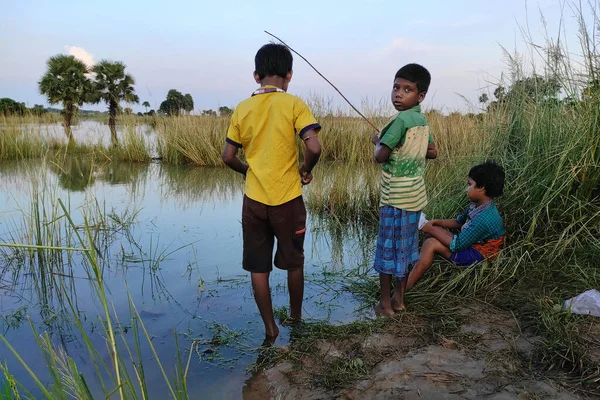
x=207, y=48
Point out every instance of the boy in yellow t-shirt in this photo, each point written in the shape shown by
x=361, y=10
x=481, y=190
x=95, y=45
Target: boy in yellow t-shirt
x=265, y=126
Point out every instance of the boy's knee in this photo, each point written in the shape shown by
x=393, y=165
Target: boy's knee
x=431, y=243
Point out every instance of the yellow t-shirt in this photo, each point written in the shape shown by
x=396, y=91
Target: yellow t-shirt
x=265, y=126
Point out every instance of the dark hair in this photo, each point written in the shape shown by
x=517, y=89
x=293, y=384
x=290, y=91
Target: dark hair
x=273, y=60
x=415, y=73
x=490, y=176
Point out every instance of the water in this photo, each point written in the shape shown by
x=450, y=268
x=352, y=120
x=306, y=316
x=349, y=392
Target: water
x=180, y=261
x=94, y=132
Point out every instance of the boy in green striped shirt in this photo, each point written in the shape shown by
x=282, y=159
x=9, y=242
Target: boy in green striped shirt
x=401, y=148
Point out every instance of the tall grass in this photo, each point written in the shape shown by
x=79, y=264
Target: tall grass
x=192, y=139
x=199, y=140
x=20, y=138
x=132, y=146
x=30, y=136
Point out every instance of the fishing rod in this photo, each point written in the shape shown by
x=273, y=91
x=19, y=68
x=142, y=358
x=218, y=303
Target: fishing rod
x=326, y=80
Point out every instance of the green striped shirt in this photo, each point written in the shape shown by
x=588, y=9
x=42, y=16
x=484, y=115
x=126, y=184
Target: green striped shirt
x=402, y=184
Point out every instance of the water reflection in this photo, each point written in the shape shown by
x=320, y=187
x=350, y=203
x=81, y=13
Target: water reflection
x=337, y=234
x=124, y=173
x=74, y=174
x=193, y=184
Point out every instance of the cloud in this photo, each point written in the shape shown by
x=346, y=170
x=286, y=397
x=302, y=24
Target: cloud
x=81, y=54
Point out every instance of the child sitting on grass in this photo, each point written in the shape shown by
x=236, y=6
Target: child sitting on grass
x=481, y=232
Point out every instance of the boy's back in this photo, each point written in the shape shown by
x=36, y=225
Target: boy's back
x=266, y=125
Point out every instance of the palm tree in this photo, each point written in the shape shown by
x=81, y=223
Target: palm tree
x=66, y=82
x=146, y=105
x=113, y=85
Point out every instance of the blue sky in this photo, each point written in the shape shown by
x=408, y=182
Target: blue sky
x=207, y=48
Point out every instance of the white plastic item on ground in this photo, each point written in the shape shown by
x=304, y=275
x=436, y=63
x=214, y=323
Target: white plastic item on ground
x=587, y=303
x=422, y=220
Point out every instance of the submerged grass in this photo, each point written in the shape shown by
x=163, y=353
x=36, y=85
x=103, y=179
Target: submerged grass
x=123, y=375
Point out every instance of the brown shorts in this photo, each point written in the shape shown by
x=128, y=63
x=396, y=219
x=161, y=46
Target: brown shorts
x=261, y=224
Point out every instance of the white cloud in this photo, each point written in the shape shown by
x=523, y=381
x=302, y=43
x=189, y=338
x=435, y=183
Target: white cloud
x=81, y=54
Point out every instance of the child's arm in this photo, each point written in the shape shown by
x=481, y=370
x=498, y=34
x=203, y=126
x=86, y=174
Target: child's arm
x=382, y=152
x=441, y=234
x=467, y=237
x=438, y=228
x=232, y=144
x=446, y=223
x=392, y=138
x=431, y=151
x=312, y=153
x=232, y=160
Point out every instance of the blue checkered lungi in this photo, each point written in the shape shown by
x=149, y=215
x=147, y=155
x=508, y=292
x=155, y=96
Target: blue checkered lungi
x=397, y=241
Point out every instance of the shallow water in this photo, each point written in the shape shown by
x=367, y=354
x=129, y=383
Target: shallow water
x=180, y=261
x=94, y=132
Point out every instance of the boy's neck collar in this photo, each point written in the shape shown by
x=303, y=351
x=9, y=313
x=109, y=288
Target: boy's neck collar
x=271, y=87
x=484, y=202
x=267, y=89
x=416, y=108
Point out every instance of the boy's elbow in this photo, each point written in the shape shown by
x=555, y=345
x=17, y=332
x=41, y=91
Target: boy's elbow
x=380, y=158
x=314, y=148
x=227, y=157
x=382, y=154
x=432, y=154
x=318, y=152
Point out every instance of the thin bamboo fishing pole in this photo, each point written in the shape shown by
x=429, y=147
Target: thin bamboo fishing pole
x=326, y=80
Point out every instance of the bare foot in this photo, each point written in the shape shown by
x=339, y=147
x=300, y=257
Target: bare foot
x=289, y=321
x=382, y=311
x=271, y=337
x=397, y=306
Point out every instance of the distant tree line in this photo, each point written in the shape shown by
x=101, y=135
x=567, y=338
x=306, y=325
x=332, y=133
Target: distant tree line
x=68, y=81
x=12, y=107
x=223, y=112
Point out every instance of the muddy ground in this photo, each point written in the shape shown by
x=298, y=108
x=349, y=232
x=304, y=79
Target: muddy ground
x=484, y=355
